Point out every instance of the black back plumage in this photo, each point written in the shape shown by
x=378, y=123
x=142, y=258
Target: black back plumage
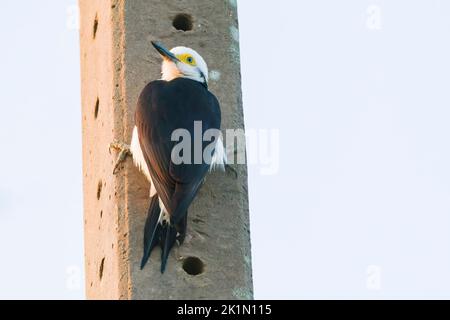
x=162, y=108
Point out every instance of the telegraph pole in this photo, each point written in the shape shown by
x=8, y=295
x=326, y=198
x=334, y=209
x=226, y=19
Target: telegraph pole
x=117, y=61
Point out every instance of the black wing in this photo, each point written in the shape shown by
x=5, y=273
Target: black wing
x=162, y=108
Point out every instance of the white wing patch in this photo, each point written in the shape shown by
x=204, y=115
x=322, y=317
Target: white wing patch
x=139, y=160
x=219, y=158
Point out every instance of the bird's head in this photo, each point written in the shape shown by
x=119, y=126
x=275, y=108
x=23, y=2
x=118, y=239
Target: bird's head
x=182, y=62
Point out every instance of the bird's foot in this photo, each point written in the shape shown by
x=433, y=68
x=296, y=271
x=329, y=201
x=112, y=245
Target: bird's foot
x=124, y=152
x=229, y=169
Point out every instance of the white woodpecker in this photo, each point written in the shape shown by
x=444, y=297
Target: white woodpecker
x=178, y=101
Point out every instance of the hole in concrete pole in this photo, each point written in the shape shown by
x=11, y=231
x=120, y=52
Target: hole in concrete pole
x=99, y=189
x=97, y=107
x=94, y=33
x=102, y=266
x=193, y=266
x=183, y=22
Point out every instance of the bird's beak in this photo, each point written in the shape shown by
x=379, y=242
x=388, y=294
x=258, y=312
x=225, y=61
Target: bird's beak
x=166, y=54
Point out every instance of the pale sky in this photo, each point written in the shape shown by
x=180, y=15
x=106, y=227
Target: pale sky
x=358, y=91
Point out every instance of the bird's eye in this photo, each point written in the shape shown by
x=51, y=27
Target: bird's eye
x=190, y=59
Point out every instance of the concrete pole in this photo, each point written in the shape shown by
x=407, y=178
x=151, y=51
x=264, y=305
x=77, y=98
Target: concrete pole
x=117, y=61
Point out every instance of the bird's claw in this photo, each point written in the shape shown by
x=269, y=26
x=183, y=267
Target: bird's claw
x=230, y=169
x=124, y=152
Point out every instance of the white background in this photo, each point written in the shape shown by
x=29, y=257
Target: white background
x=359, y=91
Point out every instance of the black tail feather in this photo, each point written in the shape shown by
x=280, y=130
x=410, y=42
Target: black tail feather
x=163, y=234
x=152, y=230
x=168, y=239
x=181, y=229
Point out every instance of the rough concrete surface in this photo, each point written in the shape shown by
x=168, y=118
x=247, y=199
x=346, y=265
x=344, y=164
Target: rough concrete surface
x=116, y=64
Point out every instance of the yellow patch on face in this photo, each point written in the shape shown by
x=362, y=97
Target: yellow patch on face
x=188, y=59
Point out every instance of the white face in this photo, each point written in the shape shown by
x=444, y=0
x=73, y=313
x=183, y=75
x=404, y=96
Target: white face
x=189, y=65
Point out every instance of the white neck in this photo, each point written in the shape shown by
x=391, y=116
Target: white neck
x=170, y=71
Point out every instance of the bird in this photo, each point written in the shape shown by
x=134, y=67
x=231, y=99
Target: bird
x=179, y=100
